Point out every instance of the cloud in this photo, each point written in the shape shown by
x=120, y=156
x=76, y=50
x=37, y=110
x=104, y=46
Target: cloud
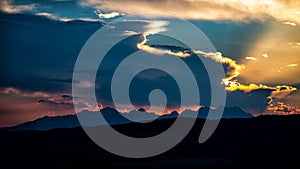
x=282, y=91
x=57, y=10
x=49, y=67
x=19, y=106
x=278, y=104
x=280, y=42
x=232, y=84
x=9, y=7
x=232, y=73
x=12, y=90
x=42, y=97
x=254, y=102
x=217, y=10
x=294, y=45
x=65, y=19
x=156, y=51
x=85, y=84
x=130, y=33
x=289, y=23
x=284, y=102
x=107, y=15
x=285, y=11
x=292, y=65
x=251, y=58
x=48, y=15
x=152, y=28
x=282, y=108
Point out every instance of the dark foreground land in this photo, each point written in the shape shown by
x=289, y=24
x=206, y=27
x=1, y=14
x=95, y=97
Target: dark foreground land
x=261, y=142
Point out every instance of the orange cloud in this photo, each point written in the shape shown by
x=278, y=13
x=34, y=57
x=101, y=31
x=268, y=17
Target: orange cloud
x=293, y=65
x=282, y=108
x=19, y=106
x=216, y=10
x=232, y=73
x=280, y=67
x=235, y=68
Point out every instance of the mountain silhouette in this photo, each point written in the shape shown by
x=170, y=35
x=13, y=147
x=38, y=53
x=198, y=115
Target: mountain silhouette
x=113, y=117
x=269, y=141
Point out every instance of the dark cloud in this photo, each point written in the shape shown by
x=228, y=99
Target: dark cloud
x=37, y=53
x=237, y=39
x=254, y=102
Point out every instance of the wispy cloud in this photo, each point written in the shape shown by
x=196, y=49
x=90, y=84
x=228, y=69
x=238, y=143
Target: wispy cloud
x=50, y=9
x=217, y=10
x=293, y=65
x=294, y=45
x=9, y=7
x=289, y=23
x=42, y=97
x=230, y=81
x=251, y=58
x=48, y=15
x=107, y=15
x=154, y=27
x=129, y=33
x=12, y=90
x=279, y=107
x=65, y=19
x=286, y=12
x=18, y=106
x=232, y=74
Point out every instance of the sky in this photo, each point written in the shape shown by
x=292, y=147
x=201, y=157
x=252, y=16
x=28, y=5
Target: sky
x=257, y=42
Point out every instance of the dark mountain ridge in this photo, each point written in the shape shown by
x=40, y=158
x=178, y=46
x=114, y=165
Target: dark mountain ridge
x=269, y=141
x=114, y=117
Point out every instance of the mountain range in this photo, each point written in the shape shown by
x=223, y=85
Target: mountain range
x=114, y=117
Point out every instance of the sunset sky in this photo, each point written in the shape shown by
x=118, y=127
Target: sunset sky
x=257, y=40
